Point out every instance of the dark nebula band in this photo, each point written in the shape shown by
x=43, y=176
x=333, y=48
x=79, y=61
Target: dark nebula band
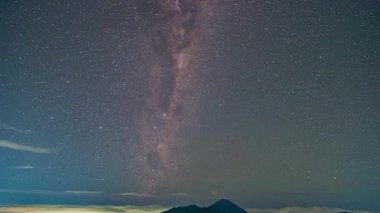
x=174, y=27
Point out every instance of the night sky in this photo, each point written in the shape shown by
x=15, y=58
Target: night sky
x=191, y=99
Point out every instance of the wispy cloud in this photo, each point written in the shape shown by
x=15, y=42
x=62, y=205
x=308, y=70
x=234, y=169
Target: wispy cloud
x=48, y=192
x=23, y=167
x=29, y=191
x=12, y=128
x=83, y=192
x=146, y=195
x=136, y=194
x=15, y=146
x=78, y=192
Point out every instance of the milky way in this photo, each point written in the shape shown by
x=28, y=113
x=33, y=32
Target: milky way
x=175, y=29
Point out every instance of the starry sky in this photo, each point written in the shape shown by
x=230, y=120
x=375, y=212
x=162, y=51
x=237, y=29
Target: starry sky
x=191, y=100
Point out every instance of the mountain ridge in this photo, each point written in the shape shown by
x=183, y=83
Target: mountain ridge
x=220, y=206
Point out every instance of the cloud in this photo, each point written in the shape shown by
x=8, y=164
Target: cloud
x=12, y=128
x=146, y=195
x=303, y=210
x=150, y=209
x=47, y=192
x=136, y=194
x=82, y=209
x=83, y=192
x=44, y=192
x=15, y=146
x=23, y=167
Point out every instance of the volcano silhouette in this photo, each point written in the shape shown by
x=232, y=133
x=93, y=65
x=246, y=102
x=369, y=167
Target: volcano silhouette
x=221, y=206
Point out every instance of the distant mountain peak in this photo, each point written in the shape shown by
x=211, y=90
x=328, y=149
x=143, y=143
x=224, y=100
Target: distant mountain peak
x=224, y=206
x=220, y=206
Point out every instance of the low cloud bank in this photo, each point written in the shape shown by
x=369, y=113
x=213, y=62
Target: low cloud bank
x=153, y=209
x=304, y=210
x=82, y=209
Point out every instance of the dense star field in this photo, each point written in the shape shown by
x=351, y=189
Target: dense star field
x=174, y=29
x=269, y=103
